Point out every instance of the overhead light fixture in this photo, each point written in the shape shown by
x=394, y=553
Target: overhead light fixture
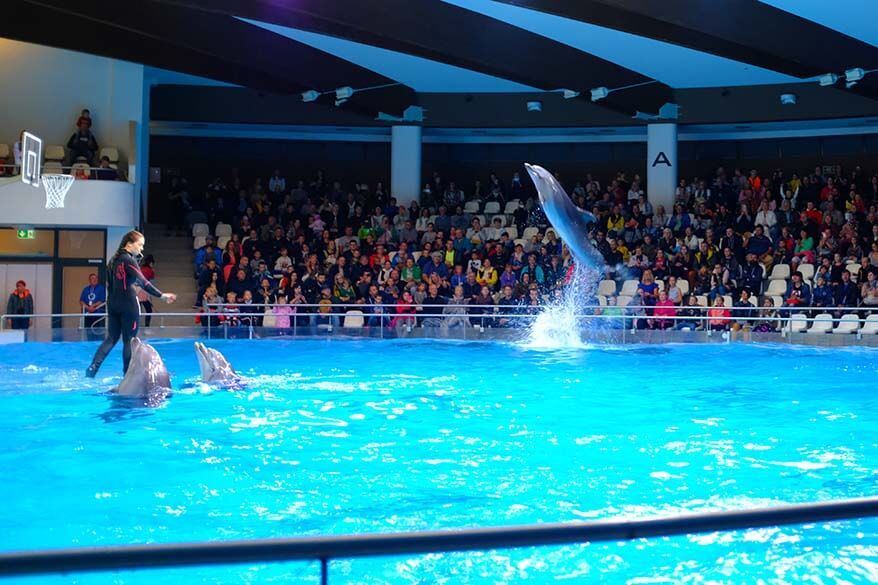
x=788, y=99
x=535, y=106
x=310, y=95
x=599, y=93
x=855, y=74
x=342, y=94
x=828, y=79
x=570, y=94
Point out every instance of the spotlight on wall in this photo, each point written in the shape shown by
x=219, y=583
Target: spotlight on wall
x=788, y=99
x=570, y=94
x=855, y=74
x=599, y=93
x=310, y=95
x=828, y=79
x=342, y=94
x=535, y=106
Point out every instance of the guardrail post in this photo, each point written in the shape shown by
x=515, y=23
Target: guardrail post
x=324, y=571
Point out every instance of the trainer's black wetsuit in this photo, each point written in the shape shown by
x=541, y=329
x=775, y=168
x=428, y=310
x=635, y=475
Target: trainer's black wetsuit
x=123, y=309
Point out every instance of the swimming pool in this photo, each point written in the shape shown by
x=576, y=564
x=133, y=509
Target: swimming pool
x=337, y=437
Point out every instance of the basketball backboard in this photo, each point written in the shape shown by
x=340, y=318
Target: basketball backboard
x=31, y=159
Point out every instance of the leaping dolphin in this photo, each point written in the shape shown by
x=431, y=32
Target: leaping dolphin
x=147, y=377
x=215, y=368
x=570, y=222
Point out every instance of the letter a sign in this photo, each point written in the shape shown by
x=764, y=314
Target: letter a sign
x=661, y=159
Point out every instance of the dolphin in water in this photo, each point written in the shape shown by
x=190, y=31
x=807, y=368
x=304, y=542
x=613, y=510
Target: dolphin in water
x=215, y=368
x=570, y=222
x=147, y=378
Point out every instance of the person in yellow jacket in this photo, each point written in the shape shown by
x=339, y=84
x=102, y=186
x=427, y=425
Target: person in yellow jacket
x=487, y=275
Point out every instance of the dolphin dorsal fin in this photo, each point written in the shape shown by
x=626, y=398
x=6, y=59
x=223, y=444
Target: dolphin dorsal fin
x=588, y=216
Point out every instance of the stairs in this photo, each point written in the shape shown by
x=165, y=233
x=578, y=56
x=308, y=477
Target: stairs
x=174, y=268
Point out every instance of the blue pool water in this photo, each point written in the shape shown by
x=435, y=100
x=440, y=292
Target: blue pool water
x=337, y=437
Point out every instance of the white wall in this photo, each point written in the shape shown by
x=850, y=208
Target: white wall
x=44, y=89
x=88, y=204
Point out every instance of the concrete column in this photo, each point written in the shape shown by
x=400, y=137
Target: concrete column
x=405, y=164
x=661, y=165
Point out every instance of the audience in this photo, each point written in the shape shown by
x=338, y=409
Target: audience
x=720, y=242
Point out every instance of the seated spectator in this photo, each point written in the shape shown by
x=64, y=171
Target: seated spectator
x=690, y=311
x=105, y=172
x=82, y=145
x=798, y=292
x=92, y=301
x=869, y=289
x=719, y=317
x=822, y=295
x=664, y=312
x=847, y=294
x=767, y=319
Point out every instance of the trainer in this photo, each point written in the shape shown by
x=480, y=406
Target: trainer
x=123, y=308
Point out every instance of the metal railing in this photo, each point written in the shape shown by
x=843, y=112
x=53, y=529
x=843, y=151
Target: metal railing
x=328, y=548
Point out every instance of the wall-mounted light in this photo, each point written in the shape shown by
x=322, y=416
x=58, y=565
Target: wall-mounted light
x=599, y=93
x=569, y=94
x=828, y=79
x=310, y=95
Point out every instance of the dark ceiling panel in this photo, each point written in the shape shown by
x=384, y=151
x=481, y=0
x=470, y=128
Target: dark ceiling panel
x=219, y=46
x=748, y=31
x=456, y=36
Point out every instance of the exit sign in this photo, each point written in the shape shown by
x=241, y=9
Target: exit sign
x=26, y=234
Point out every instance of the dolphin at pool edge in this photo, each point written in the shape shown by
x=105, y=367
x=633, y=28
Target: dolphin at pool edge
x=147, y=377
x=215, y=368
x=569, y=221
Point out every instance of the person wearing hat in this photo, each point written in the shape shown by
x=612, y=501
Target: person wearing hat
x=21, y=302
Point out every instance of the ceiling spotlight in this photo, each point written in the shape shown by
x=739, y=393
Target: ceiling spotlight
x=534, y=106
x=343, y=93
x=855, y=74
x=599, y=93
x=310, y=95
x=788, y=99
x=828, y=79
x=570, y=94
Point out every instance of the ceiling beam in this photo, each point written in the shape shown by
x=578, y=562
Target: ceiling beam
x=456, y=36
x=747, y=31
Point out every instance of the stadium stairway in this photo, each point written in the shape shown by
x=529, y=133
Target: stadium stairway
x=173, y=269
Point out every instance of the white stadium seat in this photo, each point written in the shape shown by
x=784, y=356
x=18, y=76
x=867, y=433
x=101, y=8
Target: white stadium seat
x=391, y=256
x=776, y=287
x=623, y=300
x=702, y=300
x=798, y=323
x=502, y=219
x=492, y=207
x=471, y=207
x=55, y=152
x=519, y=241
x=222, y=241
x=777, y=300
x=607, y=288
x=353, y=320
x=200, y=229
x=602, y=300
x=854, y=269
x=512, y=231
x=270, y=319
x=199, y=242
x=629, y=287
x=4, y=151
x=53, y=167
x=780, y=272
x=847, y=325
x=807, y=271
x=223, y=229
x=416, y=256
x=530, y=232
x=870, y=327
x=511, y=206
x=683, y=285
x=111, y=152
x=822, y=324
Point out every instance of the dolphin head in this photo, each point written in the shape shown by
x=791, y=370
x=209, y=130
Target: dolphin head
x=147, y=375
x=213, y=365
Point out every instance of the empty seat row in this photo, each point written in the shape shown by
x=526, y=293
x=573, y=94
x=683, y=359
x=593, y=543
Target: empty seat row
x=823, y=323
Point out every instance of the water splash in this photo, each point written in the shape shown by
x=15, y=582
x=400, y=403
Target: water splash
x=559, y=325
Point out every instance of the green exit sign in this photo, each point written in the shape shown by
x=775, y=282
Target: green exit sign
x=26, y=234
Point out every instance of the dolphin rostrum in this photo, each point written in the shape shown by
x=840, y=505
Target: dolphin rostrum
x=215, y=368
x=147, y=377
x=570, y=222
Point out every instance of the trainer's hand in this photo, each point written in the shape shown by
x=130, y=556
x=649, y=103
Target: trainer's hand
x=169, y=297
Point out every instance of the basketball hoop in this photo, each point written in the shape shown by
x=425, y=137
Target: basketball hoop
x=56, y=187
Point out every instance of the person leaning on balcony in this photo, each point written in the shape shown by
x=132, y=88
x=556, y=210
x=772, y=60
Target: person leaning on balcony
x=21, y=302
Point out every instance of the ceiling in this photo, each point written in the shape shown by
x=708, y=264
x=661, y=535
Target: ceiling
x=404, y=48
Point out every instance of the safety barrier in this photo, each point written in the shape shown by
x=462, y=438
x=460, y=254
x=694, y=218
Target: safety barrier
x=327, y=548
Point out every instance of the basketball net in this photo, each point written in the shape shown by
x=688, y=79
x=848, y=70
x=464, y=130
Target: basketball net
x=56, y=187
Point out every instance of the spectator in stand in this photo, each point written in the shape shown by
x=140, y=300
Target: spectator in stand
x=21, y=302
x=664, y=312
x=104, y=172
x=869, y=290
x=93, y=299
x=277, y=184
x=798, y=292
x=82, y=145
x=719, y=315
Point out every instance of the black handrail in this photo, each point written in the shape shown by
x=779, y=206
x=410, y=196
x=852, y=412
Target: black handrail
x=326, y=548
